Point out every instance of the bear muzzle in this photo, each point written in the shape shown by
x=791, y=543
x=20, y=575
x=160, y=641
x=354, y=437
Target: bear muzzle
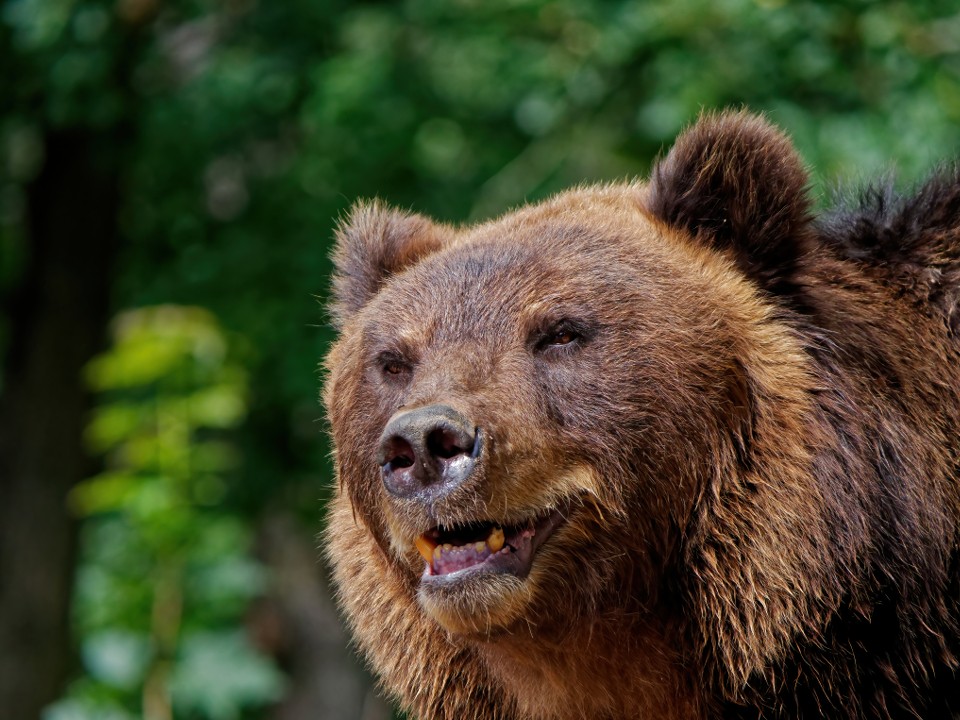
x=426, y=453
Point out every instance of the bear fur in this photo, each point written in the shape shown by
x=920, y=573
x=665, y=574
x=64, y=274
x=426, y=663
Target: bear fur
x=742, y=421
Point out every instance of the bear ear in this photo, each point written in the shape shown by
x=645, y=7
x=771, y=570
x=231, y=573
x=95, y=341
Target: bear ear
x=373, y=243
x=734, y=181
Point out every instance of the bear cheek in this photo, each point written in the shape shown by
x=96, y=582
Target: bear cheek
x=644, y=426
x=356, y=415
x=595, y=409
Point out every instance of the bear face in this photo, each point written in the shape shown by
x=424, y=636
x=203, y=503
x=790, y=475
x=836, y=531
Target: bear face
x=565, y=383
x=585, y=460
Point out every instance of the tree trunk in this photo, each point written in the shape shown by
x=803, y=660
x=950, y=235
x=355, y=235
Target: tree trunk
x=56, y=315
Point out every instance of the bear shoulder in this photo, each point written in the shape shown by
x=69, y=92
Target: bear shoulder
x=911, y=240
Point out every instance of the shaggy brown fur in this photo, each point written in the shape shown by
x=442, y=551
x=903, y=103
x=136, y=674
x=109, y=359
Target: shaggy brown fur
x=748, y=419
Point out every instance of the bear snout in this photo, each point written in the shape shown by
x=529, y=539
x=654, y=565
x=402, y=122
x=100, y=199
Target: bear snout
x=428, y=452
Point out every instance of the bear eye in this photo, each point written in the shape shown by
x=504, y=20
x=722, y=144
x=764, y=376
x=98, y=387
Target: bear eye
x=562, y=335
x=392, y=365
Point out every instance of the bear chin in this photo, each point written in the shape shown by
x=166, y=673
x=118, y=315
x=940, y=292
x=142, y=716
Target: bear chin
x=478, y=605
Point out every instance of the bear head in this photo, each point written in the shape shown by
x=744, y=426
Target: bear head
x=578, y=406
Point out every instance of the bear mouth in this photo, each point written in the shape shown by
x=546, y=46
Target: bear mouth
x=454, y=553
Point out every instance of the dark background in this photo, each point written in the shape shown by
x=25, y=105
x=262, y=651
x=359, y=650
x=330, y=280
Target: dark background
x=170, y=176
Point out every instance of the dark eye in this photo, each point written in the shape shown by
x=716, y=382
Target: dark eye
x=562, y=335
x=394, y=368
x=393, y=365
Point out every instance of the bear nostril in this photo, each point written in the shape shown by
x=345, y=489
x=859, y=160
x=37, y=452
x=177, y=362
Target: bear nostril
x=398, y=453
x=400, y=461
x=444, y=444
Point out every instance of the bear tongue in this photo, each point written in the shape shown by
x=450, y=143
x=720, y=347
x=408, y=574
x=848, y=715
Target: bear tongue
x=444, y=558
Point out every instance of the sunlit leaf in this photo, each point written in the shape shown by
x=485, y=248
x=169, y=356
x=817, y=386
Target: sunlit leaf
x=220, y=406
x=116, y=657
x=113, y=423
x=109, y=491
x=154, y=343
x=142, y=360
x=85, y=709
x=219, y=673
x=233, y=579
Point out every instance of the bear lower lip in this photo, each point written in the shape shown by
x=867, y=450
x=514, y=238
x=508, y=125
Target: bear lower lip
x=454, y=554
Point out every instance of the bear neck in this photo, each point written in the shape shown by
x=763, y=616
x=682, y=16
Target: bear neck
x=622, y=662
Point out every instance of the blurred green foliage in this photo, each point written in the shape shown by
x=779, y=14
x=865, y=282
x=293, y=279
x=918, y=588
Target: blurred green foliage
x=250, y=127
x=165, y=577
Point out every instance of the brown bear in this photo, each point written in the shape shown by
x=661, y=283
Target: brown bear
x=673, y=449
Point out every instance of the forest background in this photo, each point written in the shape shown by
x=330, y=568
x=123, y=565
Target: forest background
x=171, y=172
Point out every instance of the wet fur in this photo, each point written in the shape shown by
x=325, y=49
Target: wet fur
x=762, y=441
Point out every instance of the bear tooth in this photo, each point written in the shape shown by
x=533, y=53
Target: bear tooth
x=479, y=546
x=495, y=539
x=425, y=547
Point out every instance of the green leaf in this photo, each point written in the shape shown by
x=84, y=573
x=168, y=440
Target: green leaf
x=106, y=492
x=112, y=424
x=219, y=675
x=220, y=406
x=116, y=657
x=85, y=709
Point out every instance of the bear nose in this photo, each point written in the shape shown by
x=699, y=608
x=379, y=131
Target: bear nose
x=432, y=448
